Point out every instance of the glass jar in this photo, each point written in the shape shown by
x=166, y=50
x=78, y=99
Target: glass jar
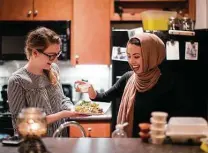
x=187, y=24
x=32, y=122
x=119, y=132
x=174, y=23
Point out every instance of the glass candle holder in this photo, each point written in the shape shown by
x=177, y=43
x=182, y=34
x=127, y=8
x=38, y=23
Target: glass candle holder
x=32, y=125
x=32, y=122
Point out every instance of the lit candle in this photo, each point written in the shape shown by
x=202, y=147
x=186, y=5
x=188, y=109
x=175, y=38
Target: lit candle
x=32, y=122
x=34, y=127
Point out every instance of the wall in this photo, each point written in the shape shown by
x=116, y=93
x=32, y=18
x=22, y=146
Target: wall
x=201, y=14
x=98, y=75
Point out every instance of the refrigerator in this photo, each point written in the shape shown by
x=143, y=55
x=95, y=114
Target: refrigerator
x=193, y=70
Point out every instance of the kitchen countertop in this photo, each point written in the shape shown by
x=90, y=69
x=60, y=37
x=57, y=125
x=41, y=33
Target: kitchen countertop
x=106, y=145
x=105, y=117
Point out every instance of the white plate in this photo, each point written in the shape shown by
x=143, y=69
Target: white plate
x=105, y=106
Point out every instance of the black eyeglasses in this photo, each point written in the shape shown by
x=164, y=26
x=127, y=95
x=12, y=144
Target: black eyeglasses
x=51, y=57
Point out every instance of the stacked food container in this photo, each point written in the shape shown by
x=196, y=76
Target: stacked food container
x=158, y=127
x=144, y=131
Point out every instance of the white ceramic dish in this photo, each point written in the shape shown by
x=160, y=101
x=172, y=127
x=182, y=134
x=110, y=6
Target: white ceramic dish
x=103, y=105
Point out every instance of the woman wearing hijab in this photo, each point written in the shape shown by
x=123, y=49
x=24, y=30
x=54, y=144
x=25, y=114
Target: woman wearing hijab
x=146, y=88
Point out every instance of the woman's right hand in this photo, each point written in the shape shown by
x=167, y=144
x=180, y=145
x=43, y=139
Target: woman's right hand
x=88, y=88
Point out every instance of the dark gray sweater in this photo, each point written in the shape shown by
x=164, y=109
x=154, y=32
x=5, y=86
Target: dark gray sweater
x=29, y=90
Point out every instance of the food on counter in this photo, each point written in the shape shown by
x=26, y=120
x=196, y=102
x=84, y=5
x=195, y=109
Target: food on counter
x=157, y=124
x=88, y=107
x=204, y=144
x=158, y=127
x=144, y=127
x=159, y=116
x=158, y=139
x=144, y=136
x=144, y=131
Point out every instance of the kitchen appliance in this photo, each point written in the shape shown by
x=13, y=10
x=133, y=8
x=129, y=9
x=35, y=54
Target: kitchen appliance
x=5, y=116
x=119, y=37
x=193, y=72
x=13, y=35
x=67, y=89
x=4, y=98
x=6, y=124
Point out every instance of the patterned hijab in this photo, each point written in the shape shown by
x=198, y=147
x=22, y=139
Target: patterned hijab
x=152, y=54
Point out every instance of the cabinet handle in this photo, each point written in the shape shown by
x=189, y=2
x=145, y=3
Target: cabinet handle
x=77, y=59
x=29, y=13
x=132, y=13
x=89, y=131
x=35, y=13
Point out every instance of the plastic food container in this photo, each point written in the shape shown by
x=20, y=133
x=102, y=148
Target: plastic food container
x=157, y=131
x=159, y=116
x=156, y=20
x=144, y=127
x=182, y=129
x=157, y=139
x=84, y=87
x=144, y=136
x=157, y=124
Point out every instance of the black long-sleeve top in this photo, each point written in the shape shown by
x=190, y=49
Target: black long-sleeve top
x=167, y=95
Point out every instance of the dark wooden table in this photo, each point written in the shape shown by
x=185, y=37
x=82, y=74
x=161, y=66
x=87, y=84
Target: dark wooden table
x=106, y=145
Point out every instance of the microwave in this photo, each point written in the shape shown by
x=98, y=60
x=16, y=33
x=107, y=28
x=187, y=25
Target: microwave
x=13, y=36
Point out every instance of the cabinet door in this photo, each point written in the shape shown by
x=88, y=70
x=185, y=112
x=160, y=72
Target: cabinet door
x=53, y=9
x=16, y=9
x=91, y=32
x=101, y=129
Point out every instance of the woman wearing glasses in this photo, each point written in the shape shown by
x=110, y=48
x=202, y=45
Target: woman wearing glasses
x=37, y=83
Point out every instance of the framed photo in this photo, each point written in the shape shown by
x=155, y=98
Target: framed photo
x=119, y=53
x=134, y=32
x=191, y=51
x=172, y=50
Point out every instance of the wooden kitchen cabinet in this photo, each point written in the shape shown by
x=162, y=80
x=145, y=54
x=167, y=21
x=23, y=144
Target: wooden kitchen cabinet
x=36, y=9
x=132, y=8
x=98, y=129
x=91, y=32
x=16, y=9
x=53, y=9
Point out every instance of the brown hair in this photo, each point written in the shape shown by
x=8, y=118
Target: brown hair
x=41, y=38
x=135, y=41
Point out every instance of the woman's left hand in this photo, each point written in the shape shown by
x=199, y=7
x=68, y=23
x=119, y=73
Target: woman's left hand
x=67, y=113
